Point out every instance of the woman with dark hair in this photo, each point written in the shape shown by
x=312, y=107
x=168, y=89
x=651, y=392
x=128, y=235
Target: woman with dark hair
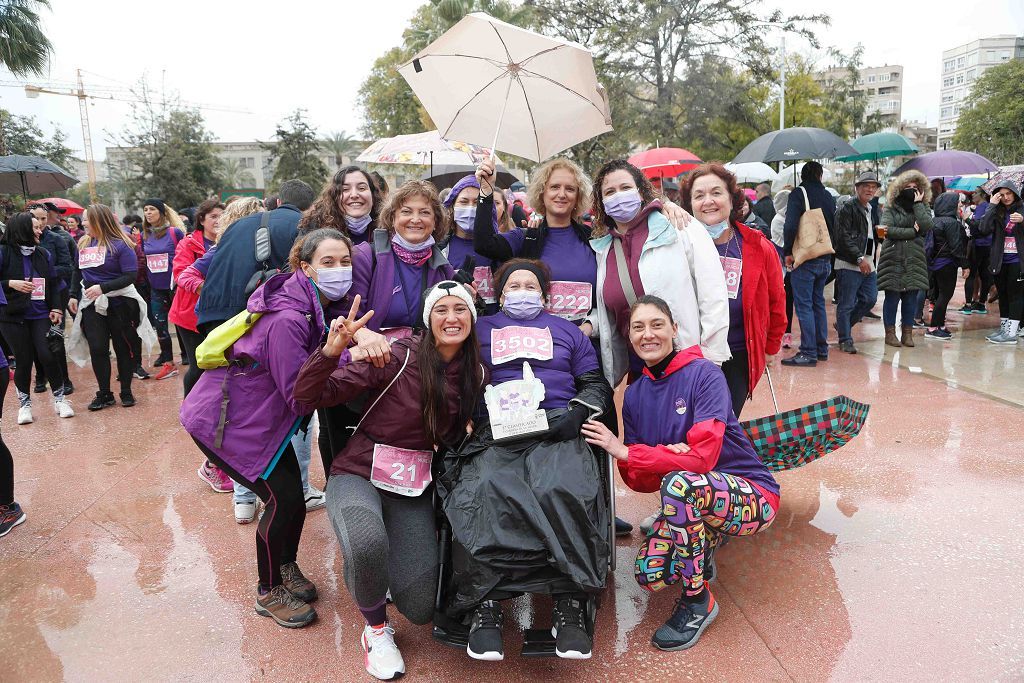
x=32, y=290
x=683, y=438
x=462, y=203
x=243, y=415
x=382, y=185
x=75, y=228
x=1004, y=222
x=379, y=495
x=978, y=281
x=947, y=257
x=159, y=241
x=501, y=206
x=753, y=278
x=351, y=202
x=632, y=236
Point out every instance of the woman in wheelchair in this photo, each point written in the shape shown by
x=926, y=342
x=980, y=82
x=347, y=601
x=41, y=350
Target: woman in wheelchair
x=379, y=495
x=528, y=510
x=682, y=438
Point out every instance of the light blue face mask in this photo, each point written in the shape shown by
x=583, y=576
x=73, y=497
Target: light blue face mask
x=717, y=229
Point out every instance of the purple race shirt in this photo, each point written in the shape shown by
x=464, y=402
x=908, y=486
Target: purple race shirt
x=569, y=259
x=483, y=271
x=733, y=249
x=1010, y=254
x=405, y=296
x=112, y=262
x=159, y=256
x=570, y=353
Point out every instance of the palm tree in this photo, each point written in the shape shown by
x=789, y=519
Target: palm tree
x=234, y=176
x=24, y=49
x=341, y=145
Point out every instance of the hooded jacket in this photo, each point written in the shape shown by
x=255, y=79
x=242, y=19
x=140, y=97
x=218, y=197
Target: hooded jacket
x=947, y=231
x=183, y=308
x=780, y=200
x=995, y=222
x=903, y=265
x=255, y=390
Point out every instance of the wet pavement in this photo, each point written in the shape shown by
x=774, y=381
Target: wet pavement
x=896, y=557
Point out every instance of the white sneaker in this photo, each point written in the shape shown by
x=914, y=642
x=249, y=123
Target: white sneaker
x=315, y=499
x=63, y=407
x=245, y=513
x=25, y=414
x=382, y=658
x=648, y=523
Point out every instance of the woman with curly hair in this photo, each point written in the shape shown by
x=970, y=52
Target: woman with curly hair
x=350, y=202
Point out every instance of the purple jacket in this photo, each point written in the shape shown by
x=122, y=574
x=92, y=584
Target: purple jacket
x=374, y=282
x=258, y=384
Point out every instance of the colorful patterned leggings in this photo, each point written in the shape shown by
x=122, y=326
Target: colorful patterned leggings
x=697, y=509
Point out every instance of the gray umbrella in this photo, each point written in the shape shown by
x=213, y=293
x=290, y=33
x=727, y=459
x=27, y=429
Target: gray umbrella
x=32, y=175
x=446, y=175
x=793, y=144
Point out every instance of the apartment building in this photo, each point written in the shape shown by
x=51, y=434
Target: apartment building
x=883, y=86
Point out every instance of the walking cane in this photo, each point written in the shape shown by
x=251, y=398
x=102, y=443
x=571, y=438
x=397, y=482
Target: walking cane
x=771, y=386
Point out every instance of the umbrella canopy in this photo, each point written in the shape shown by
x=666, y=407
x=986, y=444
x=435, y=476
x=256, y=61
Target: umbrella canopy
x=948, y=163
x=793, y=144
x=752, y=172
x=448, y=174
x=967, y=183
x=492, y=83
x=790, y=175
x=1014, y=173
x=880, y=146
x=70, y=208
x=422, y=149
x=32, y=175
x=665, y=162
x=796, y=437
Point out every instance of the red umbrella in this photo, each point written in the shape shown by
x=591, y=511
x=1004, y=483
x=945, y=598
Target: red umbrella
x=70, y=207
x=665, y=162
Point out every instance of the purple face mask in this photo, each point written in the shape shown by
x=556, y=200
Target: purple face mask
x=523, y=305
x=623, y=206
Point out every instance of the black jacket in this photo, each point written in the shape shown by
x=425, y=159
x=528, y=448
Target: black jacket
x=58, y=248
x=765, y=210
x=993, y=223
x=947, y=230
x=13, y=268
x=492, y=245
x=818, y=198
x=851, y=232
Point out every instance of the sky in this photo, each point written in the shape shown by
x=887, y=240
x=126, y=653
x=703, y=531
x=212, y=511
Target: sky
x=269, y=59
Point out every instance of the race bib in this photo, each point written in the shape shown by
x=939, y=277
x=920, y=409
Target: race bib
x=157, y=263
x=571, y=300
x=38, y=289
x=483, y=280
x=90, y=257
x=733, y=268
x=513, y=342
x=1010, y=245
x=401, y=470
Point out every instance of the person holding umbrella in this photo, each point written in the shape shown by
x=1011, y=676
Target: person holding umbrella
x=1004, y=222
x=350, y=202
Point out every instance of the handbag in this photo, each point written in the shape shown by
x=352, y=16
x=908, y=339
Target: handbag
x=211, y=352
x=812, y=238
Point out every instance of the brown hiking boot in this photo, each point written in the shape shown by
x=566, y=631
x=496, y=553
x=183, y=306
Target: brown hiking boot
x=890, y=336
x=284, y=608
x=297, y=584
x=908, y=335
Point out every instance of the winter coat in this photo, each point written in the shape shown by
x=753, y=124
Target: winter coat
x=183, y=308
x=12, y=267
x=683, y=268
x=781, y=201
x=256, y=389
x=764, y=208
x=851, y=238
x=763, y=301
x=947, y=230
x=903, y=265
x=994, y=223
x=757, y=223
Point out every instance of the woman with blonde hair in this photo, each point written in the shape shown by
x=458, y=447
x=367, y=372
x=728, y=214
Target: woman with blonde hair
x=160, y=236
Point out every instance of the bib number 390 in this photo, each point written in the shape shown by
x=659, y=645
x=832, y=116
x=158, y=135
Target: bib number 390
x=400, y=470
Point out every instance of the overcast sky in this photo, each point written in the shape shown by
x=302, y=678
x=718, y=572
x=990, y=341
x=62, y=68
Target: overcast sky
x=315, y=55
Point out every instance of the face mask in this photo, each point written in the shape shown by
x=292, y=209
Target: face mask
x=717, y=229
x=358, y=225
x=623, y=206
x=27, y=251
x=465, y=217
x=409, y=246
x=907, y=195
x=523, y=305
x=334, y=282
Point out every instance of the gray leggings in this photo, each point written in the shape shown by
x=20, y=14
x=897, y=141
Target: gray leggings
x=387, y=541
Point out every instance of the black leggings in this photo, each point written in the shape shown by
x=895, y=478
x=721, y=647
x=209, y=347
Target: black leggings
x=789, y=304
x=60, y=355
x=945, y=283
x=737, y=377
x=28, y=340
x=336, y=426
x=117, y=326
x=1011, y=293
x=6, y=460
x=190, y=341
x=979, y=271
x=280, y=527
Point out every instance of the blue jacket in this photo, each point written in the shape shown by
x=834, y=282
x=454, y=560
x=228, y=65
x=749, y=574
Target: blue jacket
x=819, y=198
x=58, y=248
x=234, y=262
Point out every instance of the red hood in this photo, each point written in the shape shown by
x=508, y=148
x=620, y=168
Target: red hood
x=683, y=358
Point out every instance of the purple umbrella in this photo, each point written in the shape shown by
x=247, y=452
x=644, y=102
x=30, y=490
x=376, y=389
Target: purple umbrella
x=948, y=163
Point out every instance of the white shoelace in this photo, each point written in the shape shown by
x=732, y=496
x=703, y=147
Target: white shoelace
x=383, y=638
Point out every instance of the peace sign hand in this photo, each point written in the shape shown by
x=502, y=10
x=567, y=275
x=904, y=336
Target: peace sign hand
x=342, y=330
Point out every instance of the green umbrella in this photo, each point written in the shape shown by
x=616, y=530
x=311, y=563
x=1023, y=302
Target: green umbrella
x=879, y=146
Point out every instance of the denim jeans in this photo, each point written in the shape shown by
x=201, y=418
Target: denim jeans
x=856, y=294
x=907, y=301
x=303, y=445
x=808, y=282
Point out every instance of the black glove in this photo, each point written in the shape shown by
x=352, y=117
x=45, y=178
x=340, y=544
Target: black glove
x=567, y=426
x=464, y=275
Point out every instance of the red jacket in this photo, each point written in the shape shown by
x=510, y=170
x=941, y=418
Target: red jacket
x=764, y=300
x=183, y=308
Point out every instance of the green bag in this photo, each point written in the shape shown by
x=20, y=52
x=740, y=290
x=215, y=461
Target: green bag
x=211, y=353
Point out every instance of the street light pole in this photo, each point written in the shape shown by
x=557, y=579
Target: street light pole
x=782, y=85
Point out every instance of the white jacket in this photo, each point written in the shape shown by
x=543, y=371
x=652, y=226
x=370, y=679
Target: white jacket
x=683, y=268
x=78, y=347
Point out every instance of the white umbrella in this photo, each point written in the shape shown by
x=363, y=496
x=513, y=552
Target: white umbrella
x=424, y=149
x=752, y=172
x=492, y=83
x=790, y=175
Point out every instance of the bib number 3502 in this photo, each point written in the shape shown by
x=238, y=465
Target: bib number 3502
x=400, y=470
x=512, y=342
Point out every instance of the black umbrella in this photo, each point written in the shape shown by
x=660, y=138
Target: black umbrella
x=446, y=175
x=32, y=175
x=793, y=144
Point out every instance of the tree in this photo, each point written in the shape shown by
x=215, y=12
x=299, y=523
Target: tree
x=24, y=48
x=234, y=176
x=22, y=135
x=804, y=96
x=297, y=152
x=341, y=145
x=993, y=123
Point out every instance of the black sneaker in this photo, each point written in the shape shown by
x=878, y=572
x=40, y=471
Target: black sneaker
x=69, y=388
x=104, y=399
x=979, y=309
x=127, y=400
x=10, y=516
x=801, y=360
x=140, y=372
x=847, y=347
x=40, y=388
x=485, y=633
x=570, y=629
x=622, y=527
x=687, y=623
x=938, y=333
x=966, y=309
x=872, y=315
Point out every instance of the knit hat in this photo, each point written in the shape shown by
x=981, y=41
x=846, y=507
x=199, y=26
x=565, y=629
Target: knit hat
x=441, y=290
x=158, y=203
x=469, y=181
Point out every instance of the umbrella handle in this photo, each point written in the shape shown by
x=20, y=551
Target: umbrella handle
x=501, y=117
x=771, y=387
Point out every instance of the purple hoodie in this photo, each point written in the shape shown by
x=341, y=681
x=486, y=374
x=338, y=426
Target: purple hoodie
x=261, y=411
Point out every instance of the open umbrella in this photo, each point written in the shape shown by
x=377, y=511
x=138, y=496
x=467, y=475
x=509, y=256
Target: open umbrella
x=665, y=162
x=752, y=172
x=967, y=183
x=790, y=175
x=788, y=440
x=1014, y=173
x=32, y=175
x=948, y=163
x=880, y=146
x=793, y=144
x=70, y=208
x=492, y=83
x=423, y=149
x=448, y=174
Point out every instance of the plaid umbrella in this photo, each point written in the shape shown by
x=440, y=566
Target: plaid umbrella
x=796, y=437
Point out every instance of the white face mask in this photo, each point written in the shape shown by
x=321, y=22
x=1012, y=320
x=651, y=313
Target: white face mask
x=717, y=229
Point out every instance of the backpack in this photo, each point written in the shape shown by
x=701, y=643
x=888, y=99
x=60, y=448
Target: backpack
x=211, y=352
x=264, y=249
